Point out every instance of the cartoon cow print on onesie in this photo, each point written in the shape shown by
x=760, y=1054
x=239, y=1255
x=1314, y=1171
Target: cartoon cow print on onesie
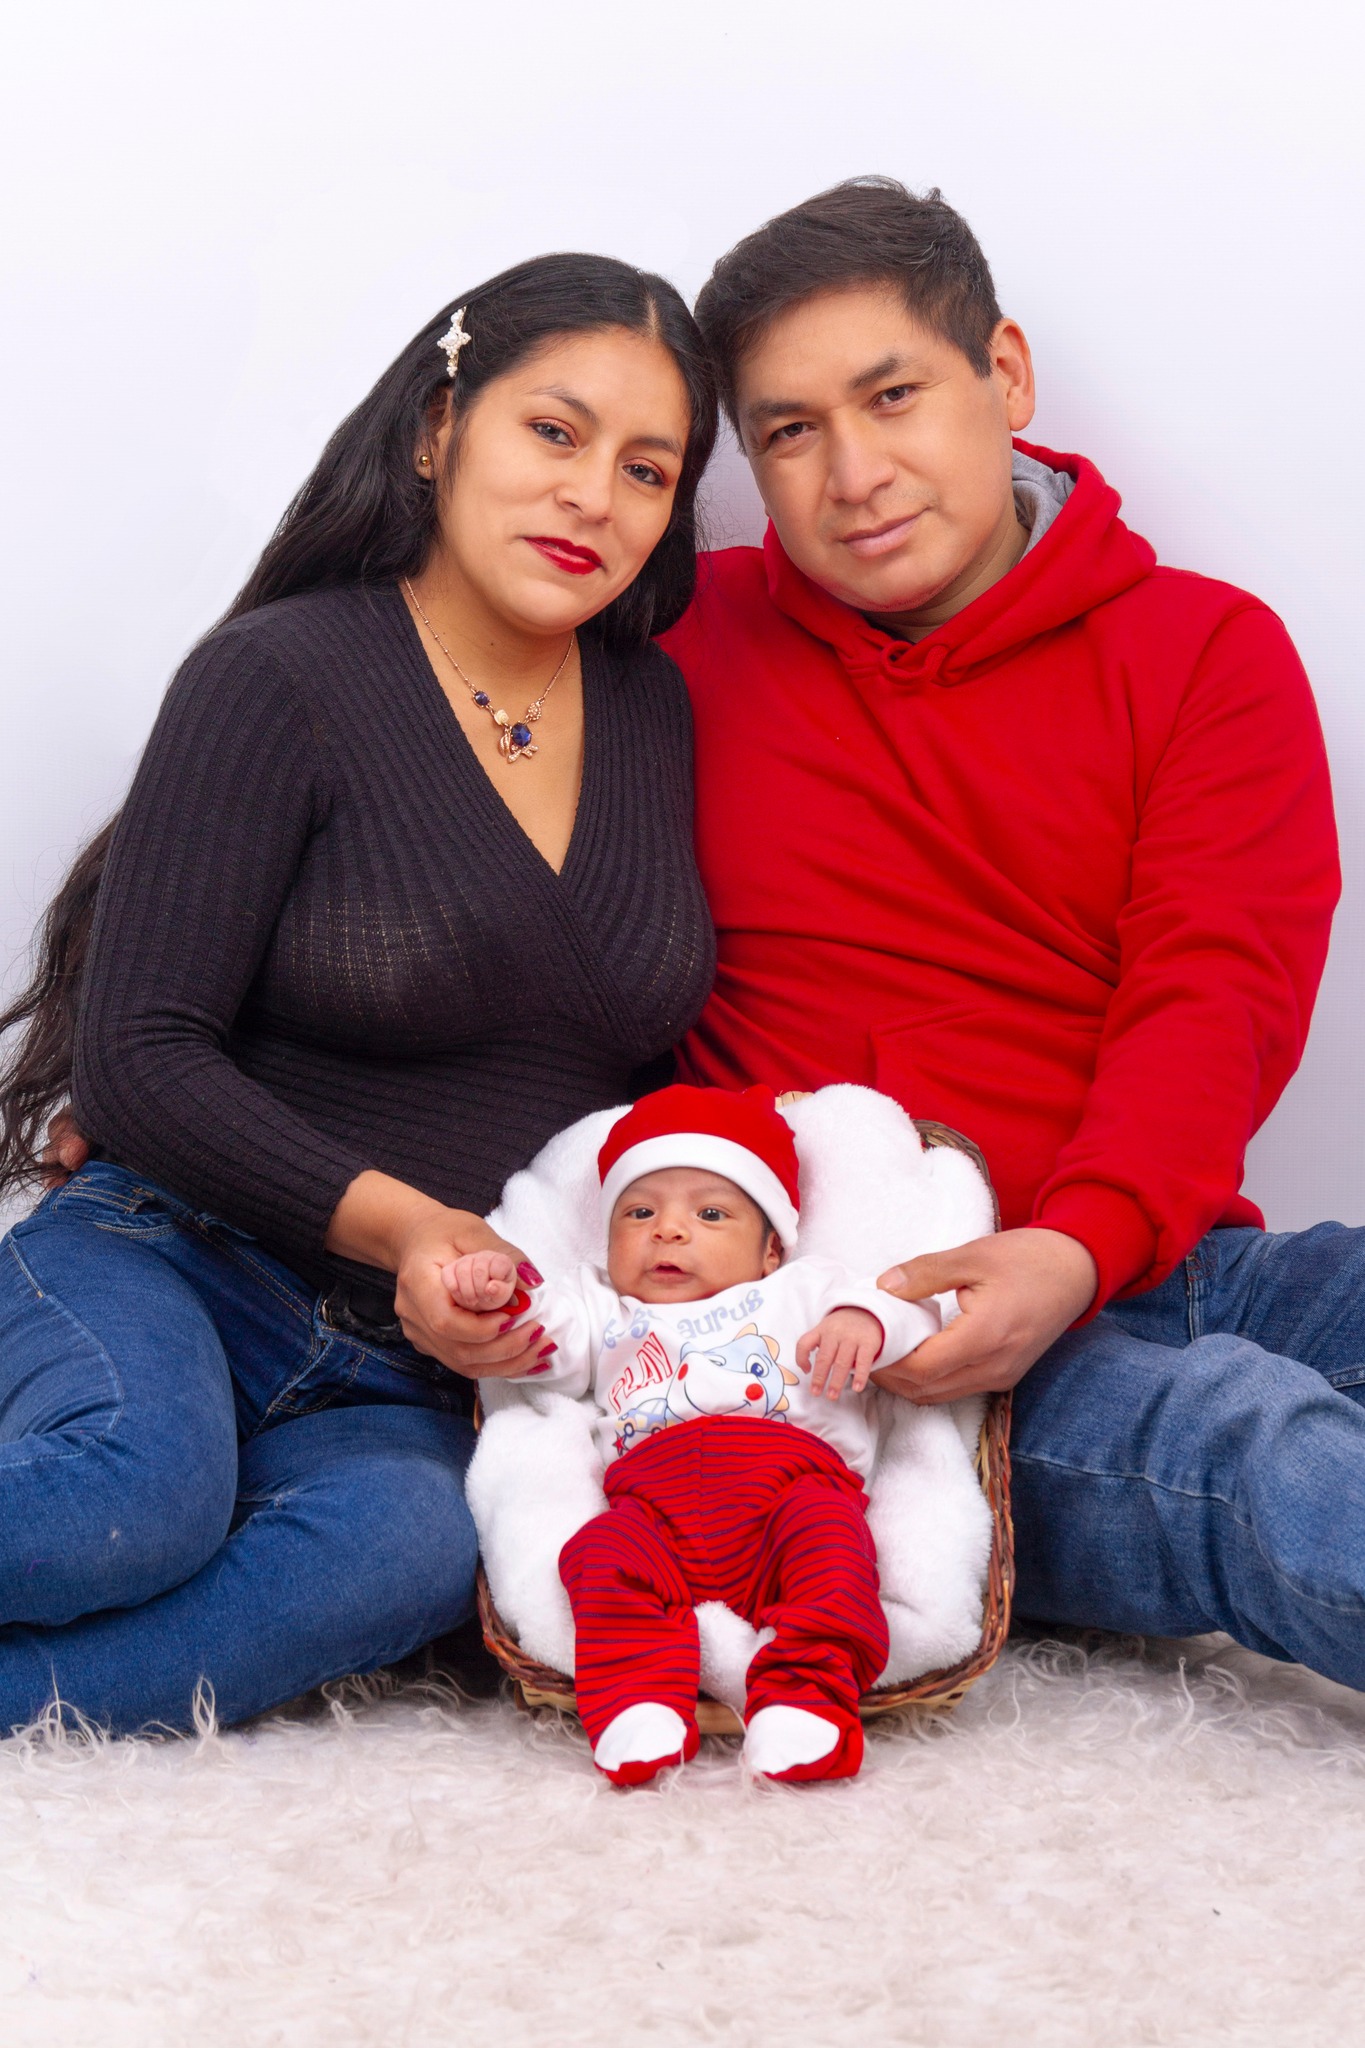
x=739, y=1377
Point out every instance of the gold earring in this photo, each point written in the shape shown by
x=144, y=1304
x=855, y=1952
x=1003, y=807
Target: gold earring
x=425, y=461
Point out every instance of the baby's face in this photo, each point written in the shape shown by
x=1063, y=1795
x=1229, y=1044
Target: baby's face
x=682, y=1233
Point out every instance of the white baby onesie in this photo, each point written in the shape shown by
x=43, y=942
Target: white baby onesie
x=652, y=1364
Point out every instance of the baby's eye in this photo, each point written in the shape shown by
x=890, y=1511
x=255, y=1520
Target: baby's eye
x=639, y=1215
x=711, y=1215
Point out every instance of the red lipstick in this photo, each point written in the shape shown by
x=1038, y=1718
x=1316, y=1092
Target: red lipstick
x=565, y=554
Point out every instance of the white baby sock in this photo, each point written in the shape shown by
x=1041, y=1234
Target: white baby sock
x=640, y=1736
x=779, y=1738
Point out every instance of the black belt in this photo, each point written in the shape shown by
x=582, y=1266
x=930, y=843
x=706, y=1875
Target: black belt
x=357, y=1308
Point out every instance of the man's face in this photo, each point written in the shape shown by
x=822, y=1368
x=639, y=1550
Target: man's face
x=882, y=457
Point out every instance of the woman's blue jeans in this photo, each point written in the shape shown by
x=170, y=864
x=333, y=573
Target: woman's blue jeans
x=1194, y=1459
x=201, y=1481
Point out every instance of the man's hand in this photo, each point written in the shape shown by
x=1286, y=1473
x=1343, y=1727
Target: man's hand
x=844, y=1342
x=1017, y=1292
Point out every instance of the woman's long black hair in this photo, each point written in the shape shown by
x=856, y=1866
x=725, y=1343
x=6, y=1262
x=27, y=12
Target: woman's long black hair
x=366, y=515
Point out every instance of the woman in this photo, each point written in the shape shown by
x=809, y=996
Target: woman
x=404, y=885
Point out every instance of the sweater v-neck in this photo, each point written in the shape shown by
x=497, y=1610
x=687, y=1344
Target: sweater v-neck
x=470, y=766
x=325, y=944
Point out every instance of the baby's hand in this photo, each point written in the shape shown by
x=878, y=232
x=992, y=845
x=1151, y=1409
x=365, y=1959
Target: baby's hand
x=847, y=1340
x=480, y=1280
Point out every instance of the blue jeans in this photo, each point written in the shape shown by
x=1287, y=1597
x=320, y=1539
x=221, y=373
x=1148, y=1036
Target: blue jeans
x=200, y=1479
x=1194, y=1459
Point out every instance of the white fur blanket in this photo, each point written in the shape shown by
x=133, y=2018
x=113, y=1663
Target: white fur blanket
x=871, y=1194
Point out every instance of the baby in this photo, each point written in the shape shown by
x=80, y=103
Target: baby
x=737, y=1434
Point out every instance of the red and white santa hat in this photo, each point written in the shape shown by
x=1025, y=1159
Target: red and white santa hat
x=739, y=1134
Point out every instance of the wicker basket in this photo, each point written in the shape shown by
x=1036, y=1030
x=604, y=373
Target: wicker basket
x=536, y=1685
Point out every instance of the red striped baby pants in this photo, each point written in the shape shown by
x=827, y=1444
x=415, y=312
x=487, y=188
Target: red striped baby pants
x=759, y=1514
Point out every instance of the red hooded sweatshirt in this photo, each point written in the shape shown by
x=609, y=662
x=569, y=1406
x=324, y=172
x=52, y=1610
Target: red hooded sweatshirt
x=1060, y=874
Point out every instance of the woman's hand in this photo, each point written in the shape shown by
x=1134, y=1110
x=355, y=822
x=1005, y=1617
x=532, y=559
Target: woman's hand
x=383, y=1222
x=1017, y=1292
x=478, y=1344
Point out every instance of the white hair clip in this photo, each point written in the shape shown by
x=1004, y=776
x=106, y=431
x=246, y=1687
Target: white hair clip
x=453, y=340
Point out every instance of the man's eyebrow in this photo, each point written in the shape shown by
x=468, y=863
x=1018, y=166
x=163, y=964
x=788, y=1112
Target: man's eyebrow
x=585, y=411
x=781, y=408
x=887, y=367
x=773, y=408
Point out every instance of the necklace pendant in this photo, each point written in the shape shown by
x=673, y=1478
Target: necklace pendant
x=515, y=740
x=514, y=734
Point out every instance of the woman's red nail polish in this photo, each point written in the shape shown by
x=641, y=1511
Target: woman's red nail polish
x=527, y=1272
x=535, y=1369
x=545, y=1352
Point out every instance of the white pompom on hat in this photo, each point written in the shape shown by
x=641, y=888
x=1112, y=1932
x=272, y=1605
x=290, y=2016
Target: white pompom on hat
x=739, y=1134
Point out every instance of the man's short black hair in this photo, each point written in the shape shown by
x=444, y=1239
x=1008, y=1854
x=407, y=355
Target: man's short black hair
x=867, y=231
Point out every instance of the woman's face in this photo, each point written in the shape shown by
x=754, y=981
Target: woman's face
x=564, y=478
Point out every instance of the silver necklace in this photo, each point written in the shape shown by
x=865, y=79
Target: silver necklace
x=514, y=734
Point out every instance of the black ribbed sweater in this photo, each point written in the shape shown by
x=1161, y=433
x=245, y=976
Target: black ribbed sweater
x=323, y=943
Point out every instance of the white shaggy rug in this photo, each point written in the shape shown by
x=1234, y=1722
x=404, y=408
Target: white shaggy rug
x=1108, y=1847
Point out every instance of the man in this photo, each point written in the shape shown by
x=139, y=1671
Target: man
x=1000, y=817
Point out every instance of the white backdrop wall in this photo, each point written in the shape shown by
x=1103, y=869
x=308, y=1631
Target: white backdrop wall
x=223, y=222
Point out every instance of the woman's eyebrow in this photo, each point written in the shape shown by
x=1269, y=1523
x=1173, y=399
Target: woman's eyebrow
x=585, y=411
x=578, y=405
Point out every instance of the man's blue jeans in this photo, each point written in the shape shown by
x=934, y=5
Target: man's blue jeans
x=200, y=1479
x=1195, y=1458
